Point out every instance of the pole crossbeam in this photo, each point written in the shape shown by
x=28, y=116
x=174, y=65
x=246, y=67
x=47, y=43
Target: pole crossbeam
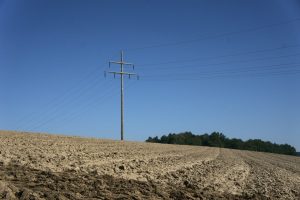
x=118, y=62
x=126, y=73
x=122, y=73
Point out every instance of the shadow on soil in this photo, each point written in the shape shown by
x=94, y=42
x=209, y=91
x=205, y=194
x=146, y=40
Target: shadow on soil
x=19, y=182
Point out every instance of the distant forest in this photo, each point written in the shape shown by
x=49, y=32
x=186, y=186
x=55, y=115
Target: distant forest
x=217, y=139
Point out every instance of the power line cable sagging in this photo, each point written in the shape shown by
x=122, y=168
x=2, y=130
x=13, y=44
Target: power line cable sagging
x=74, y=101
x=212, y=36
x=160, y=64
x=77, y=107
x=61, y=99
x=53, y=107
x=249, y=71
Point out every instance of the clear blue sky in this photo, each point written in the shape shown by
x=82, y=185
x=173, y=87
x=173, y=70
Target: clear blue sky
x=228, y=66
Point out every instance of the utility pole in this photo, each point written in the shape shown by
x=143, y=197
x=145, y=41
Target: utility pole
x=122, y=73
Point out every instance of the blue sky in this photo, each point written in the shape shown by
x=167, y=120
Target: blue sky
x=228, y=66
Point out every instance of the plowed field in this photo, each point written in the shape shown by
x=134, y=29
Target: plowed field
x=41, y=166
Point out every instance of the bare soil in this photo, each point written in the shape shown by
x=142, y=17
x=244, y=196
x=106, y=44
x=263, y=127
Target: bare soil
x=41, y=166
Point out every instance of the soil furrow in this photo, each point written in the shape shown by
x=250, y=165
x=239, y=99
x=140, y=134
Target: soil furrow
x=40, y=166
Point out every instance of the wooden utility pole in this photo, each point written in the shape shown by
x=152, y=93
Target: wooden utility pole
x=122, y=73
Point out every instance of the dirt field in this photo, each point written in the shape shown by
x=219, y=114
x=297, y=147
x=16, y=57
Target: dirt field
x=39, y=166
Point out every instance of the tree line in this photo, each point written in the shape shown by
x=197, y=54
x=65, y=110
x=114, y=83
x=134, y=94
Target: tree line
x=217, y=139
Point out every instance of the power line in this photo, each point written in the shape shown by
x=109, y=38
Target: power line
x=66, y=101
x=215, y=36
x=249, y=69
x=222, y=56
x=93, y=103
x=78, y=110
x=58, y=99
x=252, y=75
x=277, y=68
x=65, y=95
x=55, y=115
x=259, y=67
x=207, y=74
x=221, y=63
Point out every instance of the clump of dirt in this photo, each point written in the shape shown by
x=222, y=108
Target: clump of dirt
x=19, y=182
